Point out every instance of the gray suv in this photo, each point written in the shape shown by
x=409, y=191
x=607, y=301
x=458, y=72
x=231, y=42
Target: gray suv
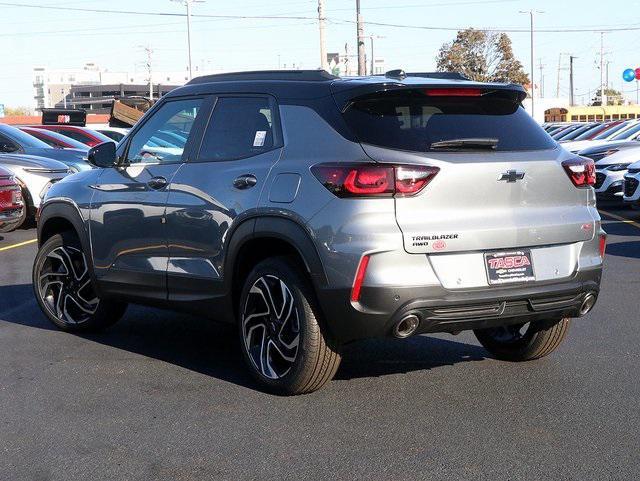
x=313, y=211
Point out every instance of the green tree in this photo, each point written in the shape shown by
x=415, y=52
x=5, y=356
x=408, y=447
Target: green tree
x=10, y=111
x=614, y=97
x=482, y=56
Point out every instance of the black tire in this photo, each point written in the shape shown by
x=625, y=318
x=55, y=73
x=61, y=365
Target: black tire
x=290, y=366
x=23, y=218
x=64, y=289
x=524, y=343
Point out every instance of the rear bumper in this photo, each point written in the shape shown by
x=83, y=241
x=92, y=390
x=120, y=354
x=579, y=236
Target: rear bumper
x=442, y=310
x=11, y=216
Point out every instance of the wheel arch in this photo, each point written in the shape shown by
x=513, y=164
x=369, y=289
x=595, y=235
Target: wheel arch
x=62, y=215
x=259, y=238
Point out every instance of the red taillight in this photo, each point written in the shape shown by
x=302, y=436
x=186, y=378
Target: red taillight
x=603, y=244
x=581, y=171
x=369, y=181
x=17, y=197
x=454, y=92
x=357, y=282
x=373, y=180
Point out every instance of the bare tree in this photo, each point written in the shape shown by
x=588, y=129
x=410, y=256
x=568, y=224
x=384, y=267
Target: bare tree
x=482, y=56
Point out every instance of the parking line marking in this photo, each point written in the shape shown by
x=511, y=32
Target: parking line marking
x=621, y=219
x=19, y=244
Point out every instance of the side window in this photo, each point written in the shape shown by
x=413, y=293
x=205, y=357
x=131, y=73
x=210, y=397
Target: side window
x=239, y=127
x=164, y=136
x=7, y=145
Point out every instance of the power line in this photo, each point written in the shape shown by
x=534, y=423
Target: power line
x=625, y=28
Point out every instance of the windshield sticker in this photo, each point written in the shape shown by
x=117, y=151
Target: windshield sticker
x=258, y=140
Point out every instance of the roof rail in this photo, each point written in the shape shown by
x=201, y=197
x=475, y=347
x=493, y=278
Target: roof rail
x=300, y=75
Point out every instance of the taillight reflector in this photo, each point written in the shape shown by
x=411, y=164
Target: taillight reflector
x=374, y=180
x=581, y=171
x=603, y=244
x=453, y=92
x=357, y=282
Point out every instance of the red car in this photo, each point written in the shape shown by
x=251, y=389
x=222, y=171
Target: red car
x=81, y=134
x=12, y=208
x=54, y=139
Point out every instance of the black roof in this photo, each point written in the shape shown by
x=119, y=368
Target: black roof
x=315, y=84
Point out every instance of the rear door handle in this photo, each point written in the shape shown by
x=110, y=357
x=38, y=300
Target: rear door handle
x=157, y=183
x=245, y=181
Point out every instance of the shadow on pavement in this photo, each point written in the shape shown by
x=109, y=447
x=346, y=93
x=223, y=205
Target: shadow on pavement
x=624, y=249
x=621, y=229
x=212, y=349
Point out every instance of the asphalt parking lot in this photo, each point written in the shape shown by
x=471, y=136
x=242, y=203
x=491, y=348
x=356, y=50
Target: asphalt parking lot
x=165, y=396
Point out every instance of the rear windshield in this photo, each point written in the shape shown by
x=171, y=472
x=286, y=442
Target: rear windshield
x=591, y=132
x=412, y=120
x=611, y=130
x=627, y=133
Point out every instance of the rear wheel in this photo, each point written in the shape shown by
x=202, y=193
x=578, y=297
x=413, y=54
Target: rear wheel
x=64, y=288
x=281, y=332
x=523, y=342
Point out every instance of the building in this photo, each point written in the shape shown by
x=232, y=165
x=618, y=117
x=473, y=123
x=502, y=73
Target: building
x=97, y=99
x=52, y=87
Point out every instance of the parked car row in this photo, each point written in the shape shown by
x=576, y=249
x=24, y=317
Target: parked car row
x=34, y=157
x=613, y=146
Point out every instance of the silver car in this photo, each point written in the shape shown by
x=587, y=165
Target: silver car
x=35, y=176
x=312, y=211
x=611, y=170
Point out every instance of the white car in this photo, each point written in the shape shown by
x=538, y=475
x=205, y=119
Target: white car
x=631, y=184
x=610, y=173
x=625, y=131
x=35, y=176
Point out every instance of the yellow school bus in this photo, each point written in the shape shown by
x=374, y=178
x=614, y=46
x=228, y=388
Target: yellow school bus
x=592, y=113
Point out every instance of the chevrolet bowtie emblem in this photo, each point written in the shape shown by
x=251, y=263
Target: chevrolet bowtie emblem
x=511, y=176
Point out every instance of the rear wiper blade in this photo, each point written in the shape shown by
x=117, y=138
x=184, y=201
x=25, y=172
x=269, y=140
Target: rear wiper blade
x=490, y=144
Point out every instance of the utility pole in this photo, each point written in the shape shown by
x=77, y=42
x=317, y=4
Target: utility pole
x=323, y=48
x=560, y=69
x=571, y=98
x=149, y=53
x=188, y=3
x=360, y=29
x=603, y=97
x=532, y=14
x=541, y=66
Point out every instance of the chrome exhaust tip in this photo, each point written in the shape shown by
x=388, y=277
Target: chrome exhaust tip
x=406, y=326
x=587, y=304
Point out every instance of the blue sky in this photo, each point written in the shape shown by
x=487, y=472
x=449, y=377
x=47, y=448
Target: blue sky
x=68, y=39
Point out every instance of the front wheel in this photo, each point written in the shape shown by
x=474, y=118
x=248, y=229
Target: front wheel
x=64, y=289
x=524, y=342
x=283, y=339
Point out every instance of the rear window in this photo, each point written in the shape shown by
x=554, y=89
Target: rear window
x=412, y=120
x=611, y=130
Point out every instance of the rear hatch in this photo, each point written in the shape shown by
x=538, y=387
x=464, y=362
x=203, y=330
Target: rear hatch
x=501, y=183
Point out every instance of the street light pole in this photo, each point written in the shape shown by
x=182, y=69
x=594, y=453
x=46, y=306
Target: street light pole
x=371, y=38
x=188, y=3
x=531, y=14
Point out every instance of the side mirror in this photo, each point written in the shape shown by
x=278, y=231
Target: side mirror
x=102, y=155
